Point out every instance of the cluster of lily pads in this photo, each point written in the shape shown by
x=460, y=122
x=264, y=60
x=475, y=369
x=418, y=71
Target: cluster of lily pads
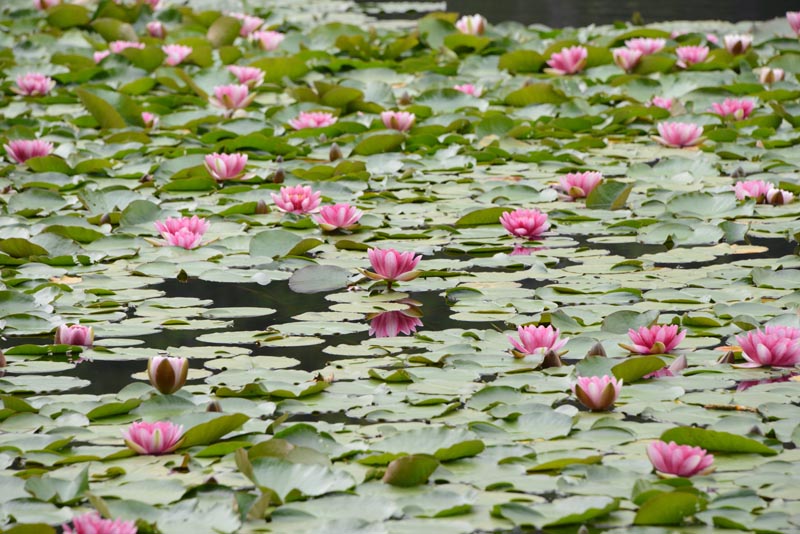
x=632, y=187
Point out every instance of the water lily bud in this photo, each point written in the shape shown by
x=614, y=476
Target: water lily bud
x=214, y=406
x=2, y=359
x=167, y=374
x=597, y=350
x=405, y=99
x=105, y=219
x=598, y=393
x=279, y=176
x=551, y=359
x=146, y=178
x=728, y=357
x=279, y=159
x=323, y=138
x=262, y=208
x=335, y=153
x=75, y=334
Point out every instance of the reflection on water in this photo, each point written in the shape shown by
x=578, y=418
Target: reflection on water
x=395, y=322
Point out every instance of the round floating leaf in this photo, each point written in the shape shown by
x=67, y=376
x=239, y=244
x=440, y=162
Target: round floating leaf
x=635, y=368
x=273, y=243
x=521, y=61
x=65, y=16
x=411, y=470
x=535, y=93
x=669, y=508
x=290, y=481
x=103, y=112
x=379, y=144
x=17, y=247
x=318, y=278
x=223, y=31
x=715, y=441
x=609, y=195
x=210, y=431
x=482, y=217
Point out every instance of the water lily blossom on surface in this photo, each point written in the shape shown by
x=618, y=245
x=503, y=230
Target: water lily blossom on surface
x=755, y=189
x=646, y=45
x=569, y=60
x=176, y=53
x=679, y=460
x=225, y=166
x=529, y=224
x=21, y=150
x=312, y=119
x=268, y=40
x=627, y=58
x=656, y=339
x=252, y=77
x=150, y=120
x=184, y=232
x=401, y=121
x=74, y=334
x=679, y=134
x=580, y=184
x=92, y=523
x=338, y=217
x=768, y=76
x=118, y=46
x=737, y=43
x=737, y=108
x=250, y=23
x=232, y=96
x=469, y=89
x=661, y=102
x=297, y=199
x=391, y=265
x=156, y=438
x=156, y=29
x=598, y=393
x=778, y=197
x=34, y=84
x=775, y=346
x=536, y=339
x=690, y=55
x=793, y=18
x=471, y=24
x=167, y=374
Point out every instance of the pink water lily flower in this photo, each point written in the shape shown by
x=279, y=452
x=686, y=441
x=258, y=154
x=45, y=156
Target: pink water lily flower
x=646, y=45
x=232, y=96
x=156, y=29
x=185, y=232
x=569, y=60
x=250, y=76
x=673, y=369
x=225, y=166
x=469, y=89
x=401, y=121
x=778, y=196
x=176, y=53
x=679, y=460
x=391, y=265
x=768, y=76
x=598, y=393
x=627, y=58
x=471, y=25
x=92, y=523
x=536, y=339
x=156, y=438
x=74, y=334
x=737, y=108
x=338, y=216
x=660, y=102
x=312, y=119
x=393, y=323
x=268, y=40
x=250, y=23
x=737, y=44
x=775, y=346
x=690, y=55
x=298, y=199
x=118, y=46
x=101, y=55
x=167, y=374
x=34, y=84
x=656, y=339
x=150, y=120
x=756, y=189
x=679, y=134
x=21, y=150
x=529, y=224
x=580, y=184
x=793, y=18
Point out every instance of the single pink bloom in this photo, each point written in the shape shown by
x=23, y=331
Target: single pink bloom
x=33, y=84
x=42, y=5
x=776, y=346
x=660, y=102
x=734, y=107
x=793, y=17
x=392, y=323
x=176, y=53
x=156, y=438
x=469, y=89
x=536, y=339
x=677, y=33
x=472, y=24
x=21, y=150
x=756, y=189
x=391, y=265
x=737, y=43
x=249, y=23
x=118, y=46
x=312, y=119
x=656, y=339
x=92, y=523
x=673, y=369
x=779, y=196
x=156, y=29
x=768, y=76
x=580, y=184
x=646, y=45
x=250, y=76
x=689, y=55
x=232, y=96
x=711, y=38
x=570, y=60
x=598, y=393
x=74, y=334
x=679, y=134
x=338, y=216
x=627, y=58
x=529, y=224
x=225, y=166
x=101, y=55
x=268, y=40
x=185, y=232
x=167, y=374
x=679, y=460
x=401, y=121
x=297, y=199
x=150, y=120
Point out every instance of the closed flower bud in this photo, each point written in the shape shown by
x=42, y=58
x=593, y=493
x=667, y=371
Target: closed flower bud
x=335, y=153
x=167, y=374
x=261, y=207
x=279, y=176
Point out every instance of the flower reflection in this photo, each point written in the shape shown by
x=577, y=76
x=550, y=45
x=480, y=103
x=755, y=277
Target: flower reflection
x=747, y=384
x=395, y=322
